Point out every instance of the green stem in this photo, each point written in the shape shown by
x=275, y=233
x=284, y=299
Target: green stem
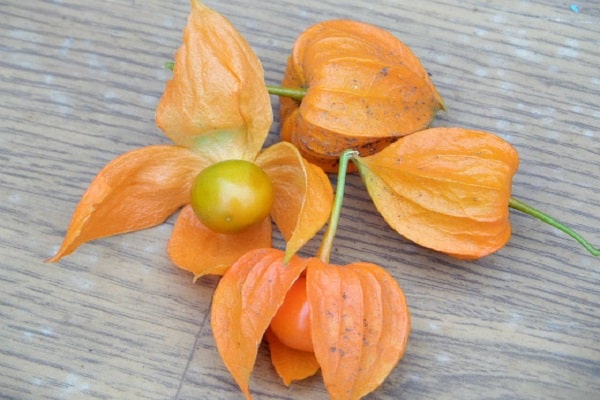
x=293, y=93
x=527, y=209
x=327, y=243
x=169, y=65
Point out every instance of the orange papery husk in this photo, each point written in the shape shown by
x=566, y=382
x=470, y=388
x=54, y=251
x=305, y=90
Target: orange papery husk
x=290, y=364
x=364, y=89
x=216, y=103
x=359, y=318
x=244, y=304
x=216, y=107
x=360, y=325
x=447, y=189
x=303, y=194
x=201, y=251
x=137, y=190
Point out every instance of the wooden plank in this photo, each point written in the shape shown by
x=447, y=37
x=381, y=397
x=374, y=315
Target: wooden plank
x=79, y=83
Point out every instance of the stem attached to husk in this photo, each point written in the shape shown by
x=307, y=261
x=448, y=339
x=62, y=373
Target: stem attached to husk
x=293, y=93
x=527, y=209
x=327, y=243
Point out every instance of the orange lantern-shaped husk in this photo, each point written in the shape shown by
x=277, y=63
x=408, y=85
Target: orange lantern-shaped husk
x=447, y=189
x=364, y=89
x=359, y=321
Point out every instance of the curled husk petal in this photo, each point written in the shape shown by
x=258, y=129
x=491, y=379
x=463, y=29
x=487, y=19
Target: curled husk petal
x=216, y=103
x=244, y=304
x=290, y=364
x=360, y=325
x=303, y=194
x=137, y=190
x=364, y=89
x=446, y=189
x=196, y=248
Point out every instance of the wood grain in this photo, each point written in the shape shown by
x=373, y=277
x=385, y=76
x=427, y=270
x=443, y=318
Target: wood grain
x=80, y=81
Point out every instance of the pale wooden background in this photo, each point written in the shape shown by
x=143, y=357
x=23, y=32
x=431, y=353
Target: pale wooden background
x=79, y=82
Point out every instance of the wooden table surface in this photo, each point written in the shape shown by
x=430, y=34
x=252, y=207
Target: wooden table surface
x=80, y=81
